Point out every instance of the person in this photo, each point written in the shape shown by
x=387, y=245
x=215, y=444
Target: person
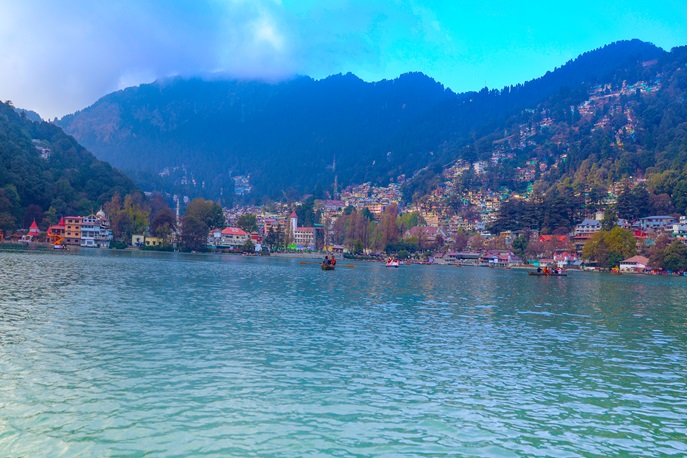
x=539, y=269
x=333, y=262
x=326, y=260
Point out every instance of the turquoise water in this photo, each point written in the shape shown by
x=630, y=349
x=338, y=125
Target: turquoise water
x=122, y=353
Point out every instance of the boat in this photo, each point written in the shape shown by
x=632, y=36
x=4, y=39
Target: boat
x=392, y=263
x=544, y=274
x=326, y=266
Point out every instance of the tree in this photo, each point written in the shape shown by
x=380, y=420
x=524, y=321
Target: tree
x=248, y=246
x=596, y=249
x=621, y=241
x=610, y=220
x=164, y=223
x=460, y=241
x=357, y=247
x=207, y=212
x=194, y=233
x=33, y=213
x=307, y=216
x=519, y=246
x=675, y=256
x=248, y=222
x=608, y=248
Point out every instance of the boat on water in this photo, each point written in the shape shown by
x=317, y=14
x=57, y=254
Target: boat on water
x=326, y=266
x=545, y=274
x=392, y=263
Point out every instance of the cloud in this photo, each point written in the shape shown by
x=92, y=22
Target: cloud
x=58, y=57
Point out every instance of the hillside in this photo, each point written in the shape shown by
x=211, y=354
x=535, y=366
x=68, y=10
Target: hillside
x=196, y=136
x=620, y=141
x=45, y=174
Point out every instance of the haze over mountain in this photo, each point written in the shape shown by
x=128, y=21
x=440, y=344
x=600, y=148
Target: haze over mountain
x=286, y=135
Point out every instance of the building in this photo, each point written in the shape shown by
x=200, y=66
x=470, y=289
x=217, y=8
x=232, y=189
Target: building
x=588, y=226
x=228, y=237
x=141, y=240
x=302, y=238
x=95, y=231
x=680, y=228
x=634, y=264
x=584, y=231
x=57, y=230
x=72, y=231
x=655, y=223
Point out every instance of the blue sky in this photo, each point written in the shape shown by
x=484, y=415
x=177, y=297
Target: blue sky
x=59, y=57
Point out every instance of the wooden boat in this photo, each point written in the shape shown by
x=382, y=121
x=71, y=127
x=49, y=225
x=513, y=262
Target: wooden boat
x=543, y=274
x=326, y=266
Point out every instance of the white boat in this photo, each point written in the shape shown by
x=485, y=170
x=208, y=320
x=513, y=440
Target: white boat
x=393, y=263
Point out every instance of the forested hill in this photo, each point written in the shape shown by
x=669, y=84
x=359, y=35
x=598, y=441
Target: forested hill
x=45, y=174
x=285, y=136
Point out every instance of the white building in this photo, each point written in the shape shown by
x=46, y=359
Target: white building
x=634, y=264
x=228, y=237
x=95, y=232
x=588, y=226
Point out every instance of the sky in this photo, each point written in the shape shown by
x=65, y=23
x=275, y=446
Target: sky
x=57, y=57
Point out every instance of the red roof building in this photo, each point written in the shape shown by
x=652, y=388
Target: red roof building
x=33, y=229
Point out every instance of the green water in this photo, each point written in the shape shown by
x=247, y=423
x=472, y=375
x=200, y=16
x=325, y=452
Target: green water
x=130, y=353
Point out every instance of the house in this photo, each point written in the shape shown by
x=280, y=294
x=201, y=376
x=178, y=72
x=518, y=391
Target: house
x=680, y=228
x=227, y=237
x=634, y=264
x=588, y=226
x=143, y=240
x=565, y=258
x=558, y=240
x=32, y=235
x=57, y=230
x=72, y=233
x=95, y=232
x=656, y=223
x=501, y=258
x=154, y=241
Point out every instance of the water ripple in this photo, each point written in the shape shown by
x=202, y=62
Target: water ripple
x=106, y=353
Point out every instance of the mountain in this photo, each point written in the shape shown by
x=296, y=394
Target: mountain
x=45, y=174
x=28, y=114
x=618, y=142
x=197, y=136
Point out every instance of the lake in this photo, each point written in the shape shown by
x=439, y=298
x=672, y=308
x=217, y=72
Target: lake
x=119, y=353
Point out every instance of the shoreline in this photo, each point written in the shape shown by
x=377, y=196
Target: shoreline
x=47, y=248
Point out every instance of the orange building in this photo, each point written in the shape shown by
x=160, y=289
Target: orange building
x=72, y=231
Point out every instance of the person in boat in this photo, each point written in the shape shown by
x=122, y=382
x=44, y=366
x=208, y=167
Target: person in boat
x=333, y=261
x=326, y=261
x=538, y=270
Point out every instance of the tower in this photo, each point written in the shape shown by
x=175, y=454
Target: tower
x=336, y=184
x=293, y=221
x=178, y=218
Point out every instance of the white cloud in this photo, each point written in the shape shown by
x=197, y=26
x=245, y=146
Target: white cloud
x=58, y=57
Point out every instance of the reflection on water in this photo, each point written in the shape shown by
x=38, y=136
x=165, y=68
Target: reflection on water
x=109, y=353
